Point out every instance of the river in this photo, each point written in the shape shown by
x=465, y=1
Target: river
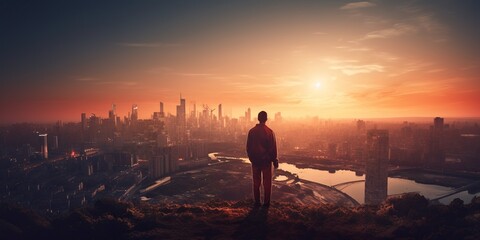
x=356, y=189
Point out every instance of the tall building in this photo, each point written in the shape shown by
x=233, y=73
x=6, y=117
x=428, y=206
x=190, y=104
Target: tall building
x=220, y=111
x=194, y=111
x=134, y=116
x=220, y=115
x=437, y=149
x=181, y=112
x=55, y=143
x=181, y=125
x=248, y=115
x=84, y=121
x=376, y=179
x=162, y=163
x=162, y=113
x=112, y=115
x=44, y=145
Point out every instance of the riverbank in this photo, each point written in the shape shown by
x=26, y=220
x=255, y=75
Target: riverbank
x=231, y=180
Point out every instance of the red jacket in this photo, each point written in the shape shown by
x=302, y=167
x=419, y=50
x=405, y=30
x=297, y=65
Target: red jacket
x=261, y=145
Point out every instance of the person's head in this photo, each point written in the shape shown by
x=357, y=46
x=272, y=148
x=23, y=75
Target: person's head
x=262, y=117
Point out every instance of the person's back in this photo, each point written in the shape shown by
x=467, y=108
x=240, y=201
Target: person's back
x=261, y=147
x=262, y=152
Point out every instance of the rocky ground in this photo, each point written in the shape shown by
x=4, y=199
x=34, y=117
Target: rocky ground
x=406, y=217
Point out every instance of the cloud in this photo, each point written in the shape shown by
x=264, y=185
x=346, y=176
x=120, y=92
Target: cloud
x=351, y=67
x=148, y=45
x=357, y=5
x=411, y=67
x=397, y=30
x=356, y=69
x=429, y=24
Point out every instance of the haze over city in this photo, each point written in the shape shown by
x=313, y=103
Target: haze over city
x=333, y=59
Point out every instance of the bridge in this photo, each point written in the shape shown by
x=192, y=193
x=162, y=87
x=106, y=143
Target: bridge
x=346, y=184
x=457, y=190
x=402, y=169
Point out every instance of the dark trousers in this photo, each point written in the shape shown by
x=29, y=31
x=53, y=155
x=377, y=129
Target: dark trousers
x=257, y=174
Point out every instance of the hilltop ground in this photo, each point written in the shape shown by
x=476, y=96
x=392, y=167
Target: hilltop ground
x=406, y=217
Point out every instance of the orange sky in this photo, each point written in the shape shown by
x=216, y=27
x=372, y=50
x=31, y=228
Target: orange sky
x=337, y=59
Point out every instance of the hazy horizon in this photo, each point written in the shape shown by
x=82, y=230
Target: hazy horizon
x=426, y=119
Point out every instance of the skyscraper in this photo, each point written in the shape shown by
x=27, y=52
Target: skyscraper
x=194, y=110
x=181, y=115
x=55, y=143
x=162, y=114
x=44, y=145
x=436, y=142
x=220, y=115
x=376, y=179
x=134, y=116
x=220, y=111
x=84, y=121
x=181, y=121
x=112, y=116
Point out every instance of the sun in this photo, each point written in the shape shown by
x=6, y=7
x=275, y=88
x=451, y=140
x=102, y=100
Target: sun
x=318, y=85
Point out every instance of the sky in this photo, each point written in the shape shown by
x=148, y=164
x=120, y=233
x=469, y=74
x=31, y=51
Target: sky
x=332, y=59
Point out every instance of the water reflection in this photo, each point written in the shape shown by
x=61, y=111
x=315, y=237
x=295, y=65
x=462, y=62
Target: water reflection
x=356, y=189
x=323, y=177
x=281, y=178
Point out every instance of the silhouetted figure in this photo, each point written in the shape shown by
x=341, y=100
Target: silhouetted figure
x=262, y=152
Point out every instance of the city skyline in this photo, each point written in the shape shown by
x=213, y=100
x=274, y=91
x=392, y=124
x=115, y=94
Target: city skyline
x=332, y=59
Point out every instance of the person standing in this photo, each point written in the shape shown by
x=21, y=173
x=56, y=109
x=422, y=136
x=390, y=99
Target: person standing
x=262, y=152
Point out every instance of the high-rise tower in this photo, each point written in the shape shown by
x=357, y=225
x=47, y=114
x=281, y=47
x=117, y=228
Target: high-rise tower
x=436, y=143
x=44, y=145
x=134, y=116
x=162, y=113
x=181, y=115
x=84, y=121
x=181, y=121
x=248, y=115
x=376, y=179
x=112, y=115
x=220, y=114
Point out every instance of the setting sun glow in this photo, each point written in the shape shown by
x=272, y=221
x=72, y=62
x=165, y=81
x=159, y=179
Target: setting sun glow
x=367, y=59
